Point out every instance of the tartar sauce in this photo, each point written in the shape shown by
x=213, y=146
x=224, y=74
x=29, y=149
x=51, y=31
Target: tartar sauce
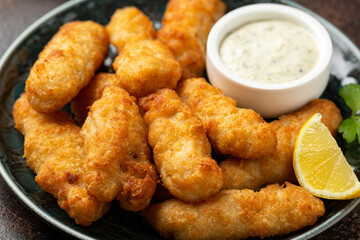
x=270, y=51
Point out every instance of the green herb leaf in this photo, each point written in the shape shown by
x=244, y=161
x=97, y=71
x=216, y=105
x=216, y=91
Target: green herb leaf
x=350, y=128
x=351, y=95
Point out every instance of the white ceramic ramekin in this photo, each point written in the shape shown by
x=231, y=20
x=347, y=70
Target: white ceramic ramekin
x=270, y=100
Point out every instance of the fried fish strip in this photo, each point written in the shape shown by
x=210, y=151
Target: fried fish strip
x=237, y=214
x=53, y=149
x=116, y=151
x=145, y=66
x=81, y=104
x=185, y=28
x=182, y=153
x=66, y=65
x=253, y=173
x=129, y=24
x=236, y=131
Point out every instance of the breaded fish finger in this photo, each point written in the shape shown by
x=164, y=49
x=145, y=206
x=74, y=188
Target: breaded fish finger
x=182, y=153
x=232, y=131
x=116, y=151
x=237, y=214
x=53, y=149
x=145, y=66
x=129, y=24
x=66, y=65
x=185, y=28
x=81, y=104
x=253, y=173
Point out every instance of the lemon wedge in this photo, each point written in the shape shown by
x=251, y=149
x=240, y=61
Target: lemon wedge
x=319, y=164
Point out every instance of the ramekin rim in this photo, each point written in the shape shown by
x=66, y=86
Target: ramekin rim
x=284, y=11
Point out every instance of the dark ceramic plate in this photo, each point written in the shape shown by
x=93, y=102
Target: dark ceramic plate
x=116, y=224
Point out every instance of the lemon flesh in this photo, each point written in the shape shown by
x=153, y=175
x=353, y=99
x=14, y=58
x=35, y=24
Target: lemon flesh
x=320, y=165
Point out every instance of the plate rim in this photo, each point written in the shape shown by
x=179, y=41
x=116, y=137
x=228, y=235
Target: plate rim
x=334, y=31
x=50, y=220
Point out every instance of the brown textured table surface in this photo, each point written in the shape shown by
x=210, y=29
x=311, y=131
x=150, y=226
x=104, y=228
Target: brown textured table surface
x=17, y=222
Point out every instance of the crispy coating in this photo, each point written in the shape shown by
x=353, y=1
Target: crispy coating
x=66, y=65
x=129, y=24
x=145, y=66
x=116, y=151
x=185, y=27
x=182, y=153
x=53, y=149
x=331, y=117
x=237, y=214
x=253, y=173
x=232, y=131
x=81, y=104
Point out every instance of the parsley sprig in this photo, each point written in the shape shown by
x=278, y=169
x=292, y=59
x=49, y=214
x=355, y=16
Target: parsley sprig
x=350, y=127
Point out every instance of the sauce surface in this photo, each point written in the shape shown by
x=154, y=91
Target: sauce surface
x=270, y=51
